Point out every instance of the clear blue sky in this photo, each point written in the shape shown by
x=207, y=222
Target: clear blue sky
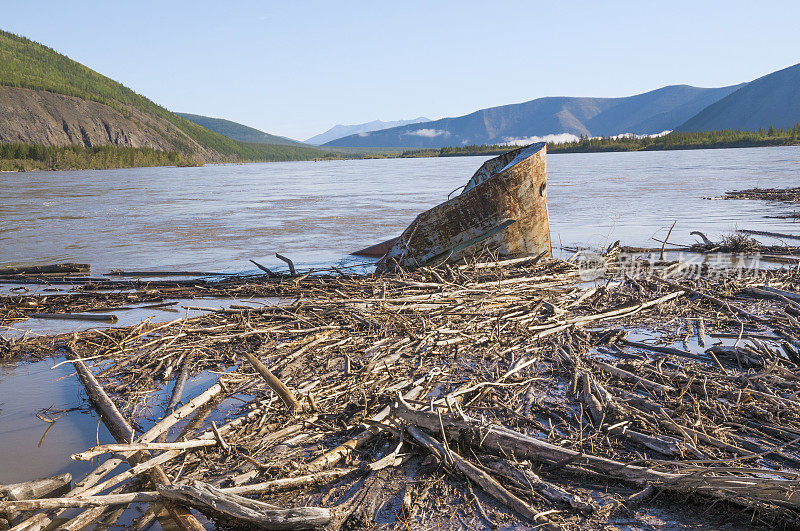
x=298, y=68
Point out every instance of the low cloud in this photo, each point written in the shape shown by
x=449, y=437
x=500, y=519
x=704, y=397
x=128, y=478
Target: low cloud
x=428, y=133
x=569, y=137
x=559, y=138
x=633, y=135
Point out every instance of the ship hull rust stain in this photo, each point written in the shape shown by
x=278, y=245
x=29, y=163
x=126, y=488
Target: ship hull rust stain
x=503, y=209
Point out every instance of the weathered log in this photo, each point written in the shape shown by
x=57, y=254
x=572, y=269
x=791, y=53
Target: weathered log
x=265, y=269
x=217, y=503
x=91, y=453
x=275, y=485
x=180, y=383
x=664, y=350
x=102, y=317
x=38, y=488
x=504, y=440
x=45, y=269
x=117, y=425
x=122, y=273
x=637, y=380
x=275, y=384
x=527, y=479
x=122, y=431
x=779, y=235
x=288, y=262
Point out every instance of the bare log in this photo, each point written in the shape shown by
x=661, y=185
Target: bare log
x=276, y=485
x=45, y=269
x=122, y=431
x=102, y=317
x=38, y=488
x=117, y=425
x=214, y=502
x=275, y=384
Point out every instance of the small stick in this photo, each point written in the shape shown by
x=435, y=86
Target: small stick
x=264, y=269
x=661, y=256
x=291, y=264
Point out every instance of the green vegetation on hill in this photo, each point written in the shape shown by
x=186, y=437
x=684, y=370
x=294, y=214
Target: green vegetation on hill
x=676, y=140
x=26, y=157
x=237, y=131
x=27, y=64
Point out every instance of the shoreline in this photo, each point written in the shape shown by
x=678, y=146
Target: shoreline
x=553, y=151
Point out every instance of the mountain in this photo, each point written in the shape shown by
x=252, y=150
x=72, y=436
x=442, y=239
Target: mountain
x=648, y=113
x=770, y=100
x=48, y=99
x=238, y=131
x=339, y=131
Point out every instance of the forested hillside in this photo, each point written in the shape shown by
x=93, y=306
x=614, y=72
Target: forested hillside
x=240, y=132
x=30, y=71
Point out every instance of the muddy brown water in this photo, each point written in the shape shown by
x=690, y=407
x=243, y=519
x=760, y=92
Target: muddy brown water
x=219, y=217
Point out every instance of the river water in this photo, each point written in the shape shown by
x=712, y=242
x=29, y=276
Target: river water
x=218, y=217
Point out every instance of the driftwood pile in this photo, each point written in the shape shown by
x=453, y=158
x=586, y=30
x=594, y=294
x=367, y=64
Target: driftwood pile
x=766, y=194
x=495, y=393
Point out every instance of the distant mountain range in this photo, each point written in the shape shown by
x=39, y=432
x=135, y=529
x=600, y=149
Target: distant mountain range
x=339, y=131
x=237, y=131
x=649, y=113
x=770, y=100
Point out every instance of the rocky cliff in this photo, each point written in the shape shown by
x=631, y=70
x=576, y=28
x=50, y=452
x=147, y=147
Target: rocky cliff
x=47, y=118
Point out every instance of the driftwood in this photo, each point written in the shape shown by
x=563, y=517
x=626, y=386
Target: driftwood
x=106, y=500
x=527, y=479
x=473, y=473
x=335, y=455
x=244, y=511
x=122, y=431
x=122, y=273
x=117, y=425
x=264, y=269
x=180, y=383
x=280, y=389
x=58, y=269
x=102, y=317
x=288, y=262
x=39, y=488
x=502, y=440
x=516, y=343
x=88, y=485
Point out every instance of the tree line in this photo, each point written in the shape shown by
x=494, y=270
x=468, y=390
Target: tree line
x=728, y=138
x=26, y=157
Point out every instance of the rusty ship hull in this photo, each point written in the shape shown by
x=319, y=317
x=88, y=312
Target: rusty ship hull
x=503, y=209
